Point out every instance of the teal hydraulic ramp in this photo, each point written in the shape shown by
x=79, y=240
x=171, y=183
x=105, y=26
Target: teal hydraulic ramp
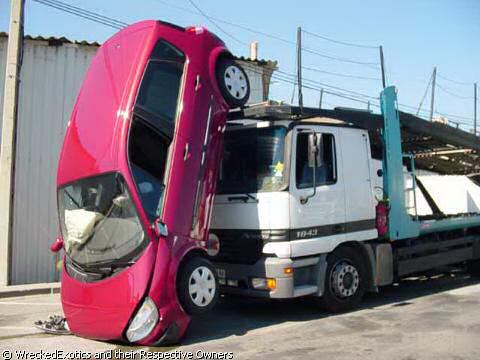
x=400, y=224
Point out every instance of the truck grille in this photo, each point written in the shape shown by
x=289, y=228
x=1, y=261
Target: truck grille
x=245, y=246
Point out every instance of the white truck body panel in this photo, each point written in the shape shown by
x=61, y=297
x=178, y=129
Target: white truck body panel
x=269, y=212
x=463, y=195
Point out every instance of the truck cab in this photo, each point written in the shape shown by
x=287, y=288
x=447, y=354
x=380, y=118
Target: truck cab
x=276, y=212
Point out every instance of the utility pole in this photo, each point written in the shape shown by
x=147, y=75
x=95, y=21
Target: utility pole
x=475, y=109
x=9, y=127
x=432, y=101
x=299, y=66
x=382, y=65
x=321, y=99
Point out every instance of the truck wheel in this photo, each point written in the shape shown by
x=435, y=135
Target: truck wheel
x=233, y=82
x=197, y=286
x=473, y=267
x=345, y=281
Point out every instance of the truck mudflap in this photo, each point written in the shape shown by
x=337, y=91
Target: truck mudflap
x=272, y=277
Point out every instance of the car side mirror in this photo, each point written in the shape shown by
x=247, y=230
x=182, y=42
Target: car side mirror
x=57, y=245
x=160, y=228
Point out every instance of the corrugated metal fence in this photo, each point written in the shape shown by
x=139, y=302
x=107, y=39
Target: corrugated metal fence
x=50, y=79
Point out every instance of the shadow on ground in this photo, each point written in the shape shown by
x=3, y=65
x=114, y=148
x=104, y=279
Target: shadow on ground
x=238, y=315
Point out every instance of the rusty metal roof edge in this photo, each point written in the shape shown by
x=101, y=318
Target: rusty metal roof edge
x=56, y=41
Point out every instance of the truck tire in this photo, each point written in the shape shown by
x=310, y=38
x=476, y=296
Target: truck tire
x=233, y=82
x=345, y=280
x=473, y=267
x=197, y=286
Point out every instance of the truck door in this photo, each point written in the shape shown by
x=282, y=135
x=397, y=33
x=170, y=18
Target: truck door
x=317, y=224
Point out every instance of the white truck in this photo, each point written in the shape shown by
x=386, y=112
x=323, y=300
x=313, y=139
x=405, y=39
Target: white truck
x=316, y=202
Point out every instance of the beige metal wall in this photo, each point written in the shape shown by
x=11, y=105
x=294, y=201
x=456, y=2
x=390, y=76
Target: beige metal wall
x=3, y=66
x=50, y=79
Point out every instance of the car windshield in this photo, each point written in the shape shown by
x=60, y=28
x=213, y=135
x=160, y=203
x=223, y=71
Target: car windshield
x=99, y=222
x=253, y=161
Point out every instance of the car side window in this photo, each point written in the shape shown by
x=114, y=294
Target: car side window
x=326, y=173
x=158, y=97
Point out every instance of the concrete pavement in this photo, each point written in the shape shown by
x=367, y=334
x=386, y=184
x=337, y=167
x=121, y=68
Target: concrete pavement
x=432, y=317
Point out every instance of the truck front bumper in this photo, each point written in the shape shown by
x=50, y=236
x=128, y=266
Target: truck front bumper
x=303, y=280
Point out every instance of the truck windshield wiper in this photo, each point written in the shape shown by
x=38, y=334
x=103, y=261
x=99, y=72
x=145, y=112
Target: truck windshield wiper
x=243, y=198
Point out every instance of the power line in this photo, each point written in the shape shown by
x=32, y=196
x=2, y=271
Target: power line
x=243, y=27
x=314, y=85
x=425, y=94
x=454, y=81
x=215, y=24
x=449, y=92
x=316, y=88
x=341, y=75
x=339, y=42
x=340, y=59
x=319, y=83
x=271, y=36
x=88, y=15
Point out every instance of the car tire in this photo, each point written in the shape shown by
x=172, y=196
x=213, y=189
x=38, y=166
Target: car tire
x=345, y=281
x=233, y=82
x=197, y=286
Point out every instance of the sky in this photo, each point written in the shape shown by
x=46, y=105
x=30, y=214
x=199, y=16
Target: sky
x=416, y=35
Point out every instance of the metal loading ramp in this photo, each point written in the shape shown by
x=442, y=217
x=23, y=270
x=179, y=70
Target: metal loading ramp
x=436, y=147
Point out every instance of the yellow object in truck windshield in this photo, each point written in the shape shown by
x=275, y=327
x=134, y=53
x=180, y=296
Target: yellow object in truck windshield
x=278, y=169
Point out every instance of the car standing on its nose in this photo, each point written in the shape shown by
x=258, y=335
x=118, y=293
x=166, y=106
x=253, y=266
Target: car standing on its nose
x=136, y=181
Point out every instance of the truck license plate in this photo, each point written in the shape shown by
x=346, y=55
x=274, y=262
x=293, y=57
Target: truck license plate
x=221, y=273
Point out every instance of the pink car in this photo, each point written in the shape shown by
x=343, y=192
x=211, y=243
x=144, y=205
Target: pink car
x=136, y=180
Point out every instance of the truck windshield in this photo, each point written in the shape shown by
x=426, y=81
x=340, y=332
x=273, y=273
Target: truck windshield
x=99, y=223
x=253, y=161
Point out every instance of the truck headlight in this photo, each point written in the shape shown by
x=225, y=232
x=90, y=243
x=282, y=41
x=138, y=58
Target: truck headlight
x=143, y=322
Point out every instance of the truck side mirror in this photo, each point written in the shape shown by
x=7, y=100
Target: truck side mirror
x=312, y=150
x=315, y=150
x=315, y=159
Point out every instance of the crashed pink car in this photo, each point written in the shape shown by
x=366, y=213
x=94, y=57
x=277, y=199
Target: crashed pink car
x=136, y=181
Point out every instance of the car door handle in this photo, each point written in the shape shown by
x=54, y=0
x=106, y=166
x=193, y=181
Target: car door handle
x=186, y=153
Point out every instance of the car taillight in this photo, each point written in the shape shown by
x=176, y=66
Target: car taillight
x=197, y=30
x=381, y=220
